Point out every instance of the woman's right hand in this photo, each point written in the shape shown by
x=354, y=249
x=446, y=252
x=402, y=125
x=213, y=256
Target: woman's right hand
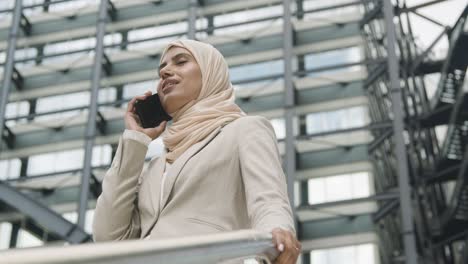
x=132, y=122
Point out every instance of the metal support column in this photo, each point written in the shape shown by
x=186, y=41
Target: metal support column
x=303, y=183
x=192, y=18
x=32, y=109
x=290, y=153
x=24, y=166
x=15, y=228
x=124, y=43
x=40, y=54
x=46, y=5
x=408, y=232
x=305, y=258
x=9, y=64
x=300, y=9
x=92, y=114
x=210, y=26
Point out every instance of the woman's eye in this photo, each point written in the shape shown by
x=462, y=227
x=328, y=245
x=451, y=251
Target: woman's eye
x=181, y=62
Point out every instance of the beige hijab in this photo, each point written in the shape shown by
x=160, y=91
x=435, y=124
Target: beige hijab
x=214, y=106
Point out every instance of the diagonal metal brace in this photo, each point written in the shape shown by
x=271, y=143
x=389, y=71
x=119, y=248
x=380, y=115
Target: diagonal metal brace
x=45, y=217
x=101, y=123
x=107, y=65
x=112, y=11
x=25, y=25
x=376, y=12
x=18, y=79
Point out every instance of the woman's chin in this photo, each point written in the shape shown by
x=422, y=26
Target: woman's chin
x=169, y=110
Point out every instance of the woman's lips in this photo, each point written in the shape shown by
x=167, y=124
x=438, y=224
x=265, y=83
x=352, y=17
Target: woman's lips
x=167, y=88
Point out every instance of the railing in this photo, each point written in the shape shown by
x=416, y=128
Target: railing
x=227, y=247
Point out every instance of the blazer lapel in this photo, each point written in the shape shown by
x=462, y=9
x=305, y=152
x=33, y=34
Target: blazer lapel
x=154, y=181
x=180, y=162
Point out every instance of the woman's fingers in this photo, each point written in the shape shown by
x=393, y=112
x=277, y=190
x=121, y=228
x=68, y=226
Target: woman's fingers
x=131, y=104
x=132, y=121
x=160, y=128
x=278, y=238
x=154, y=132
x=287, y=245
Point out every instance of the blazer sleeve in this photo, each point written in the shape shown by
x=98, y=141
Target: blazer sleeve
x=264, y=180
x=116, y=216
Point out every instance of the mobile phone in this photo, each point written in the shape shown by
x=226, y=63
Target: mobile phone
x=151, y=112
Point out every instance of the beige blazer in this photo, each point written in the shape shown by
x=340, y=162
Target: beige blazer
x=231, y=180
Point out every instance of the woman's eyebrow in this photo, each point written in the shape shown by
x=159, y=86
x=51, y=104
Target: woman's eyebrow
x=173, y=59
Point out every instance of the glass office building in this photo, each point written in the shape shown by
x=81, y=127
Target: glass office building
x=63, y=118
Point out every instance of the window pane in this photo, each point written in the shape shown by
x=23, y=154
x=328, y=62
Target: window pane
x=73, y=218
x=361, y=185
x=10, y=169
x=72, y=5
x=89, y=221
x=297, y=193
x=58, y=102
x=317, y=192
x=339, y=187
x=133, y=89
x=356, y=254
x=338, y=119
x=57, y=161
x=280, y=128
x=26, y=239
x=5, y=235
x=341, y=255
x=158, y=31
x=246, y=15
x=16, y=109
x=101, y=155
x=256, y=70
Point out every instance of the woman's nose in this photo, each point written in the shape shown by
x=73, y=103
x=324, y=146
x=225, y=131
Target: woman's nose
x=166, y=72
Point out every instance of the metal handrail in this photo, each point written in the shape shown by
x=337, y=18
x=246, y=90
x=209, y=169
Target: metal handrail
x=213, y=248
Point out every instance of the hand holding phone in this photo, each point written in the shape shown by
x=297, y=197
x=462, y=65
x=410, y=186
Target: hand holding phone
x=150, y=111
x=133, y=121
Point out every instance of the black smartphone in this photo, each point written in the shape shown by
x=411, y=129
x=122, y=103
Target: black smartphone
x=151, y=112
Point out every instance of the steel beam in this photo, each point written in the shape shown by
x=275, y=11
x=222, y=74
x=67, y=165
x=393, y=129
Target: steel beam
x=385, y=209
x=386, y=196
x=92, y=113
x=125, y=41
x=192, y=18
x=208, y=248
x=409, y=237
x=127, y=12
x=45, y=217
x=9, y=65
x=289, y=102
x=46, y=83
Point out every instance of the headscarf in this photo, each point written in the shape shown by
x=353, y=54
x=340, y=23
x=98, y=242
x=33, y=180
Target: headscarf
x=214, y=106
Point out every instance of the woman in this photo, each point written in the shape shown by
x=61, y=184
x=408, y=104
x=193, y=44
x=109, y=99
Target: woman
x=220, y=170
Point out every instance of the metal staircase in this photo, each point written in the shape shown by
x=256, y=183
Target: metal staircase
x=448, y=207
x=438, y=173
x=454, y=69
x=454, y=151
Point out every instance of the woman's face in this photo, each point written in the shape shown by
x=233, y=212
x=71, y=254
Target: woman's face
x=180, y=79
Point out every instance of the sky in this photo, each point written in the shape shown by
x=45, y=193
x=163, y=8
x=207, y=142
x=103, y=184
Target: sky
x=445, y=12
